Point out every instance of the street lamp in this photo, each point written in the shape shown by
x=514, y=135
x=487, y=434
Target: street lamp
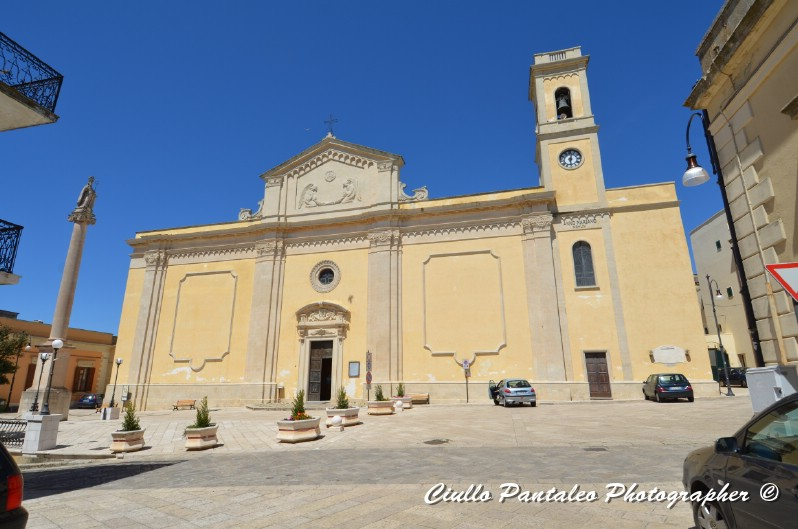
x=14, y=376
x=35, y=406
x=118, y=363
x=718, y=295
x=57, y=344
x=696, y=175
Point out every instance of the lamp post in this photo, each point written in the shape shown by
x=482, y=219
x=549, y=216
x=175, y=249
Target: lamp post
x=718, y=295
x=57, y=344
x=35, y=406
x=14, y=376
x=113, y=393
x=697, y=175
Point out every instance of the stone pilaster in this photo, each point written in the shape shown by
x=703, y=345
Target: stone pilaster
x=147, y=324
x=264, y=323
x=543, y=301
x=384, y=309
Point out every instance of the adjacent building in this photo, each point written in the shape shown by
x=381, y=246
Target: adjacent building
x=340, y=278
x=749, y=87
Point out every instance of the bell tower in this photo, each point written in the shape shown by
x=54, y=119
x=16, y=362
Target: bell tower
x=567, y=153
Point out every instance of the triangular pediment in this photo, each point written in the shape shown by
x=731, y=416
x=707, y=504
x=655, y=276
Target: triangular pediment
x=333, y=149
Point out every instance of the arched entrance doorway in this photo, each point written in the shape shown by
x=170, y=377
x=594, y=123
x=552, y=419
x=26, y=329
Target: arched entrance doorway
x=322, y=330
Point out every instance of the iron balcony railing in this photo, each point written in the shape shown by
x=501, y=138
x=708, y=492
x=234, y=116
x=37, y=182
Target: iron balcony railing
x=12, y=431
x=9, y=242
x=26, y=73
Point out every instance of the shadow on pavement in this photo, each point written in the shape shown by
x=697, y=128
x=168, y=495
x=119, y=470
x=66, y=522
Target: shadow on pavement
x=41, y=483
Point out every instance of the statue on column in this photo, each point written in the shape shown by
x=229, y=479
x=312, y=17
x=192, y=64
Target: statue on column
x=84, y=211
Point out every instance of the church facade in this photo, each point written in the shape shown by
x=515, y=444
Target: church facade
x=340, y=277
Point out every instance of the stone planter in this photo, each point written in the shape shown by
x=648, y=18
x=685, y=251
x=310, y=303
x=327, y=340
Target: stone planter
x=298, y=431
x=349, y=416
x=407, y=402
x=127, y=440
x=201, y=438
x=380, y=407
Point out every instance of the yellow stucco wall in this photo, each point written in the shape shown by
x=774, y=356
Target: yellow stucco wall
x=452, y=288
x=574, y=186
x=204, y=307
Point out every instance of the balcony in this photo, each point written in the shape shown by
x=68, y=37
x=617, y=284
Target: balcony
x=9, y=242
x=29, y=88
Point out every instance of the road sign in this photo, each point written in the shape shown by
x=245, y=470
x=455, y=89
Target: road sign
x=368, y=377
x=368, y=361
x=787, y=276
x=466, y=364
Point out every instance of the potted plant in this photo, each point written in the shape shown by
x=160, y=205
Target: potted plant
x=299, y=426
x=342, y=409
x=407, y=402
x=130, y=437
x=201, y=434
x=381, y=406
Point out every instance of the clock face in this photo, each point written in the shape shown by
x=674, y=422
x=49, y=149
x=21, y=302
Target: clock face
x=570, y=158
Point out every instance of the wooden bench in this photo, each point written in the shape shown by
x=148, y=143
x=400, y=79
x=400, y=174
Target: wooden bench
x=420, y=398
x=184, y=404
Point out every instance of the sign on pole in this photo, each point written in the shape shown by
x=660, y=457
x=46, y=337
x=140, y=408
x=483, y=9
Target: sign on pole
x=787, y=276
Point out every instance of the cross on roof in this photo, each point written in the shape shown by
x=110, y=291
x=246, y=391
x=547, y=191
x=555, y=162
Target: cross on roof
x=332, y=119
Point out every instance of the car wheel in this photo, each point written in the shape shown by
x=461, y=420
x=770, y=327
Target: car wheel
x=708, y=516
x=645, y=397
x=504, y=402
x=744, y=384
x=690, y=399
x=496, y=401
x=659, y=399
x=533, y=404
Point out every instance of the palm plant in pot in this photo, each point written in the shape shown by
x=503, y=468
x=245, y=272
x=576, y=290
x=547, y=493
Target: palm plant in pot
x=201, y=434
x=382, y=405
x=299, y=426
x=342, y=409
x=407, y=402
x=130, y=437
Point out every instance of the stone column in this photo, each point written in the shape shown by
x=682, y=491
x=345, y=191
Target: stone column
x=59, y=399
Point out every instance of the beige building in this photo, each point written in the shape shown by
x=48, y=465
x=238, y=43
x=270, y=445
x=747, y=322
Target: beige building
x=713, y=257
x=86, y=362
x=749, y=87
x=581, y=289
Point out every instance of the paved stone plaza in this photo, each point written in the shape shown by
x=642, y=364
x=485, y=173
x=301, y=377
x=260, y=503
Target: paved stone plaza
x=377, y=474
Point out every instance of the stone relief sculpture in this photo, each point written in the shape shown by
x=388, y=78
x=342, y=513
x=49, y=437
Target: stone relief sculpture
x=308, y=198
x=418, y=194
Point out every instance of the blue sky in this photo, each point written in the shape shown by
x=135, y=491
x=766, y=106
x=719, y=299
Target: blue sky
x=177, y=107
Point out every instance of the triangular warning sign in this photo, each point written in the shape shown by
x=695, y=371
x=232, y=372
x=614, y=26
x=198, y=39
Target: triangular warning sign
x=787, y=276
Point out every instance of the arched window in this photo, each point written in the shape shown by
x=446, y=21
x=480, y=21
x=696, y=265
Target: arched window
x=562, y=102
x=583, y=265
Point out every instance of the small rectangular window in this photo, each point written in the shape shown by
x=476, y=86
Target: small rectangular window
x=729, y=292
x=717, y=245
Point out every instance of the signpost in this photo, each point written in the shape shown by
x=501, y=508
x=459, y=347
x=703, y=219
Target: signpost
x=467, y=373
x=368, y=374
x=787, y=276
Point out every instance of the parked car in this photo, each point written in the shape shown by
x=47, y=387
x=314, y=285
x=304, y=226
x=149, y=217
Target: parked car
x=761, y=459
x=90, y=401
x=736, y=377
x=667, y=386
x=512, y=391
x=12, y=514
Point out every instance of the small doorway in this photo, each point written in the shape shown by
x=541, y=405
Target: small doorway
x=320, y=374
x=598, y=376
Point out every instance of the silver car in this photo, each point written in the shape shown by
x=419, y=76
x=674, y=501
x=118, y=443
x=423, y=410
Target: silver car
x=513, y=391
